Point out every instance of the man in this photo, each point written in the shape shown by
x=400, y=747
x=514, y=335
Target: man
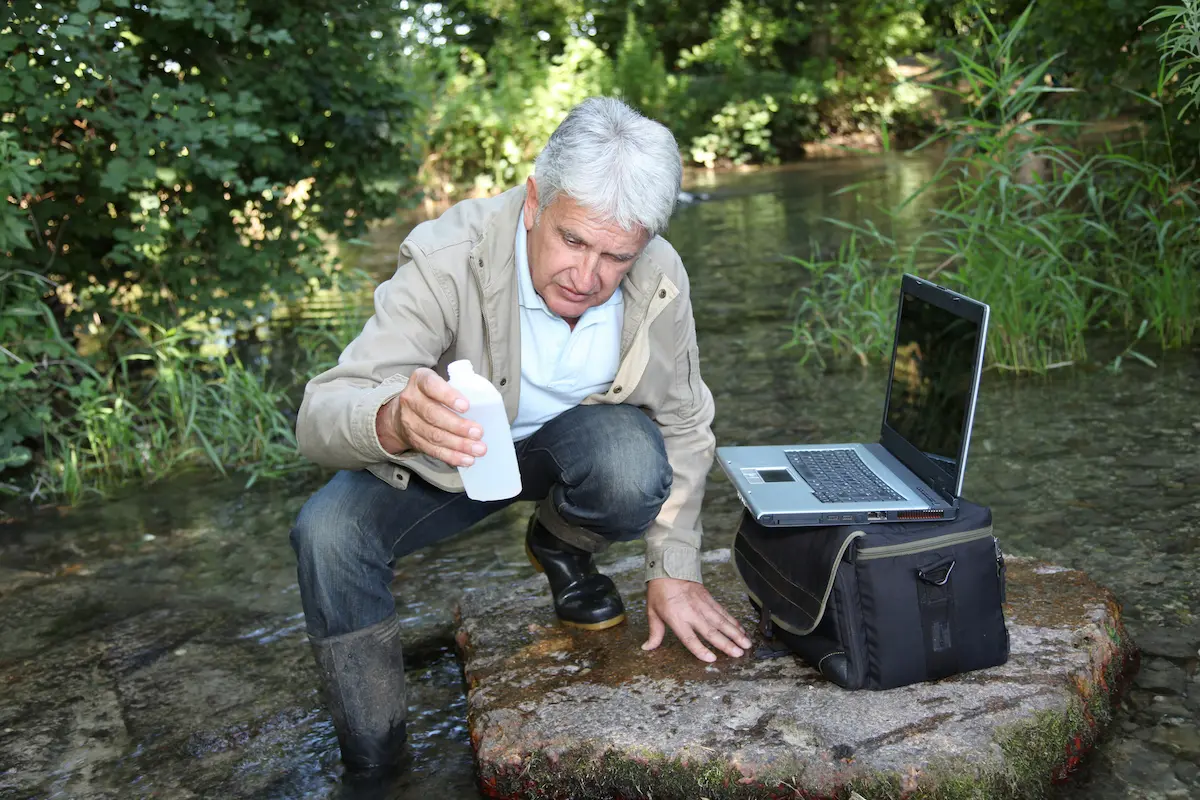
x=562, y=294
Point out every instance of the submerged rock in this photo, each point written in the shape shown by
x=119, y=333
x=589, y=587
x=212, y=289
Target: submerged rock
x=560, y=713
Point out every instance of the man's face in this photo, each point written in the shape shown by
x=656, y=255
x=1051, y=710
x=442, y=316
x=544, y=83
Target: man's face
x=576, y=260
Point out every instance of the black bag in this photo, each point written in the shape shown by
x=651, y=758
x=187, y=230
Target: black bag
x=881, y=605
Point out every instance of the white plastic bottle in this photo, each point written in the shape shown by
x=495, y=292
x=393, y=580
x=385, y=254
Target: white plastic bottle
x=494, y=475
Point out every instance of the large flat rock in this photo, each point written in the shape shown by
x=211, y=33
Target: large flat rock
x=560, y=713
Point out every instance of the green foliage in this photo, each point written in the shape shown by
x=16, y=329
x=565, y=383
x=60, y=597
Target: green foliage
x=796, y=76
x=166, y=166
x=158, y=407
x=491, y=119
x=188, y=155
x=1108, y=51
x=31, y=348
x=1101, y=46
x=740, y=132
x=728, y=85
x=23, y=406
x=738, y=82
x=173, y=167
x=639, y=76
x=846, y=312
x=1056, y=240
x=1180, y=45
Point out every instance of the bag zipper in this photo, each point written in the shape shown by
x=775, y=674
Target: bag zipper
x=908, y=548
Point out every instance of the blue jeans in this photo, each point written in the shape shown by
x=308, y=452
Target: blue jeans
x=600, y=472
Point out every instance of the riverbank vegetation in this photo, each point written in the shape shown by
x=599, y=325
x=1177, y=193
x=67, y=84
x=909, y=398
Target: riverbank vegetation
x=1058, y=239
x=177, y=173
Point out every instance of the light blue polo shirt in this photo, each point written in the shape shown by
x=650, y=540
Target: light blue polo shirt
x=561, y=366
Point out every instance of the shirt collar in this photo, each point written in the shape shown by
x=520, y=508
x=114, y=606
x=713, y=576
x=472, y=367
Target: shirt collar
x=527, y=296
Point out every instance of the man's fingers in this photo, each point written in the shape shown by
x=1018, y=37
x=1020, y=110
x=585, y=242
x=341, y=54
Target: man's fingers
x=716, y=614
x=434, y=429
x=692, y=642
x=720, y=609
x=729, y=626
x=722, y=635
x=437, y=388
x=454, y=458
x=442, y=444
x=437, y=415
x=445, y=437
x=657, y=631
x=717, y=638
x=695, y=618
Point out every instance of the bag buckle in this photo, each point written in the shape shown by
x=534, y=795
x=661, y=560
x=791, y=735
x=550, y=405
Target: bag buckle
x=936, y=575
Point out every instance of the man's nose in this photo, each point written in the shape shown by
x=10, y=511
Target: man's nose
x=587, y=274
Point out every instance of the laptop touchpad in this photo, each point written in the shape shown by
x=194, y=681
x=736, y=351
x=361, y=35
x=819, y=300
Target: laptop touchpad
x=777, y=475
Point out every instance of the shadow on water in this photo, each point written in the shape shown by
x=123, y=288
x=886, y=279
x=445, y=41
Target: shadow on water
x=153, y=645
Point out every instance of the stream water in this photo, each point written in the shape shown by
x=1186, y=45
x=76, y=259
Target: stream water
x=152, y=644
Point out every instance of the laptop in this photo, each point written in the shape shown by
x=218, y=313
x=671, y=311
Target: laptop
x=915, y=471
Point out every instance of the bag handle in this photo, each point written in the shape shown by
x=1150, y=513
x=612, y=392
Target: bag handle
x=937, y=574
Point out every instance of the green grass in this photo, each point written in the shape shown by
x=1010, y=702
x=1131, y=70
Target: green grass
x=160, y=406
x=1058, y=241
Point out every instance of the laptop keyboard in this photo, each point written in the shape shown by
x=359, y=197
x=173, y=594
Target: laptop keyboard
x=839, y=476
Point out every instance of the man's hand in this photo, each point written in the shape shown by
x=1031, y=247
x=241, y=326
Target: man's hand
x=692, y=613
x=418, y=419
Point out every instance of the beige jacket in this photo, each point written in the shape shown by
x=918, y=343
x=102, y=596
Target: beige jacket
x=454, y=295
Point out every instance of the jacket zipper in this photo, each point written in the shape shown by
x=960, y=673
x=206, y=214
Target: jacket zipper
x=909, y=548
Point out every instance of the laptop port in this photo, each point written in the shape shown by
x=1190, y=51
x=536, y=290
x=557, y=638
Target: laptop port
x=875, y=516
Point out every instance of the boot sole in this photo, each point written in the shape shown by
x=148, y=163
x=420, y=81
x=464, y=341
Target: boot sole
x=586, y=626
x=594, y=626
x=537, y=565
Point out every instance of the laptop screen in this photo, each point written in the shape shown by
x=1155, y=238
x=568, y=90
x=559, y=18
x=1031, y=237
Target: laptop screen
x=933, y=380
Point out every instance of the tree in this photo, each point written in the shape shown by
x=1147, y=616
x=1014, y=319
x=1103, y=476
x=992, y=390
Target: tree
x=189, y=153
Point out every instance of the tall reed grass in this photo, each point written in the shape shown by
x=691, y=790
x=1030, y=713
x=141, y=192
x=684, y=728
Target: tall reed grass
x=161, y=406
x=1060, y=241
x=150, y=399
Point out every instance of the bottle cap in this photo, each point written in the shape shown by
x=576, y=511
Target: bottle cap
x=461, y=367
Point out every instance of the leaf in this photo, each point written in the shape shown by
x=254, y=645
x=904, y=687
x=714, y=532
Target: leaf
x=116, y=175
x=1145, y=360
x=88, y=6
x=17, y=456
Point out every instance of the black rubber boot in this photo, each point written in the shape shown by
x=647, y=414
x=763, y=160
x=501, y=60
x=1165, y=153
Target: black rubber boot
x=583, y=598
x=362, y=674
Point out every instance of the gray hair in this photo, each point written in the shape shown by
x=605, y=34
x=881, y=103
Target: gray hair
x=614, y=162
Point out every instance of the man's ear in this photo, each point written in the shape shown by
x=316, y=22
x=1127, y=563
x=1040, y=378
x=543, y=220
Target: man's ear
x=531, y=202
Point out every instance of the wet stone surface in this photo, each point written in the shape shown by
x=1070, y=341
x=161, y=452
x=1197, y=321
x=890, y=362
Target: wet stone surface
x=556, y=712
x=155, y=648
